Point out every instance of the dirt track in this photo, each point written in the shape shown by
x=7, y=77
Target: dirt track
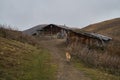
x=66, y=71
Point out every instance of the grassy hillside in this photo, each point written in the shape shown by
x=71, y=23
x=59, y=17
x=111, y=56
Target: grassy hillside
x=93, y=73
x=110, y=28
x=19, y=60
x=108, y=59
x=9, y=33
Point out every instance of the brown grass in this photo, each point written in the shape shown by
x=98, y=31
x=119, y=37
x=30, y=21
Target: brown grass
x=109, y=28
x=21, y=60
x=98, y=58
x=10, y=33
x=107, y=59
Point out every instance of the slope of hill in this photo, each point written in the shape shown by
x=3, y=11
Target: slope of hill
x=16, y=35
x=110, y=28
x=21, y=60
x=109, y=57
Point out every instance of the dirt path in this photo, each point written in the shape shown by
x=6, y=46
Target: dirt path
x=66, y=71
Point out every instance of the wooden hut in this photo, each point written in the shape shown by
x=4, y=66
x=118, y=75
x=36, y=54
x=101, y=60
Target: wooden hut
x=89, y=39
x=73, y=37
x=58, y=31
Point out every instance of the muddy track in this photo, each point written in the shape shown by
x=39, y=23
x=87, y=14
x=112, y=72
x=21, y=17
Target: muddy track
x=66, y=71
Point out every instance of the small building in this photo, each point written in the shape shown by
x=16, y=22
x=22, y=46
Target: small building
x=87, y=38
x=58, y=31
x=73, y=37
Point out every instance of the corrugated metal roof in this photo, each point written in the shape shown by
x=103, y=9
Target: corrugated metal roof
x=93, y=35
x=79, y=32
x=105, y=38
x=34, y=29
x=40, y=27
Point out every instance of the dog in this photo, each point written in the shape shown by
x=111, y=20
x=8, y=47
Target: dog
x=68, y=56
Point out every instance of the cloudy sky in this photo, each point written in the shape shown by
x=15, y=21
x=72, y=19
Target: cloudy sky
x=25, y=14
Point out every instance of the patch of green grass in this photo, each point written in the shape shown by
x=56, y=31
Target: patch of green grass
x=94, y=74
x=20, y=61
x=39, y=68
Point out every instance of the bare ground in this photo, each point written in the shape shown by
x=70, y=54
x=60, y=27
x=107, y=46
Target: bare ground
x=66, y=71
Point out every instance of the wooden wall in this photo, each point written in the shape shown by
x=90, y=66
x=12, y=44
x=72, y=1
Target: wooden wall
x=75, y=40
x=51, y=30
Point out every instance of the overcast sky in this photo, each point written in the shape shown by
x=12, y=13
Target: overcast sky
x=25, y=14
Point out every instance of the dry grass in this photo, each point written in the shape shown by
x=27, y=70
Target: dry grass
x=109, y=28
x=94, y=73
x=10, y=33
x=21, y=59
x=97, y=58
x=107, y=59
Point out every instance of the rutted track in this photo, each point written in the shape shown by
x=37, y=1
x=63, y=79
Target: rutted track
x=66, y=71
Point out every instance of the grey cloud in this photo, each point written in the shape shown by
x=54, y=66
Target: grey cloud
x=74, y=13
